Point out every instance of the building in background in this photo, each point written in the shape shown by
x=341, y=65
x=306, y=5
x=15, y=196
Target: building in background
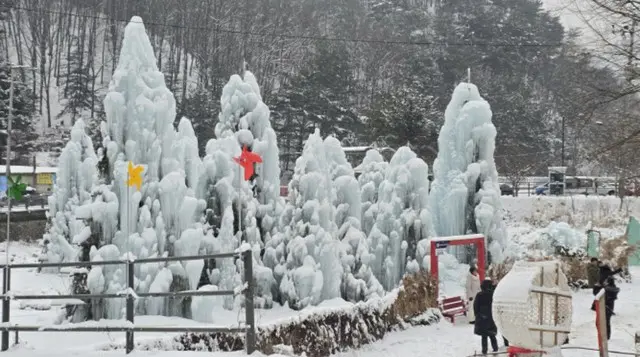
x=41, y=179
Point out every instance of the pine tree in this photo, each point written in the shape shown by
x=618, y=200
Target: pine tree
x=80, y=92
x=406, y=117
x=320, y=96
x=202, y=108
x=23, y=134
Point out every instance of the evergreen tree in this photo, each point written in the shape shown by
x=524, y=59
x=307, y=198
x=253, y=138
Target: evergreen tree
x=23, y=133
x=80, y=91
x=320, y=96
x=202, y=108
x=406, y=117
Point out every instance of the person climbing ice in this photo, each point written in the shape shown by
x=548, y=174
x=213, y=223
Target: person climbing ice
x=485, y=326
x=472, y=288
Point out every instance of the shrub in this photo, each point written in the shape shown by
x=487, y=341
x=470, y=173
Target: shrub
x=329, y=330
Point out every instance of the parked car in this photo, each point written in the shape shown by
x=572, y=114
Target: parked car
x=542, y=189
x=506, y=189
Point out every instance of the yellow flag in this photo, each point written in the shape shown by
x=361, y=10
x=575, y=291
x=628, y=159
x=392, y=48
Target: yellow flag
x=135, y=176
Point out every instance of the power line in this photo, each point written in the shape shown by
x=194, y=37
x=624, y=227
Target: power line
x=306, y=37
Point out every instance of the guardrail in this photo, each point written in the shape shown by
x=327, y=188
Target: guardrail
x=130, y=295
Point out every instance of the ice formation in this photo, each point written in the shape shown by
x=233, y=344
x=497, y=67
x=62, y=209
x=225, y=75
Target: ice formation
x=403, y=218
x=465, y=195
x=373, y=168
x=243, y=121
x=306, y=232
x=76, y=179
x=244, y=115
x=163, y=217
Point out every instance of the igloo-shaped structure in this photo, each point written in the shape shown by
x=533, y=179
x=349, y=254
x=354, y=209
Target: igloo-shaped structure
x=532, y=305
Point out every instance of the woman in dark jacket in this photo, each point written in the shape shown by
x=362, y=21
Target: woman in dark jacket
x=485, y=327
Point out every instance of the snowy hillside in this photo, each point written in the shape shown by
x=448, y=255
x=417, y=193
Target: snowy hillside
x=82, y=53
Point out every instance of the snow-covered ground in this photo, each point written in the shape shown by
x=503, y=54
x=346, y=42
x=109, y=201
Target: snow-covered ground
x=443, y=339
x=527, y=221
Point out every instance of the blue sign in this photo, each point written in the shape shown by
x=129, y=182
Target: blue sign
x=442, y=244
x=3, y=183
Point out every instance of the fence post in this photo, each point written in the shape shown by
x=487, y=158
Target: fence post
x=6, y=304
x=637, y=341
x=248, y=302
x=130, y=303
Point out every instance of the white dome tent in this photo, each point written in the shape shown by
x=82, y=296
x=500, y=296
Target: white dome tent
x=532, y=306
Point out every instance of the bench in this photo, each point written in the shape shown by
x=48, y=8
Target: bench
x=452, y=307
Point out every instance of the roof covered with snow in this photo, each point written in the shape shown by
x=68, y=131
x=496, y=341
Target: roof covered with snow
x=16, y=169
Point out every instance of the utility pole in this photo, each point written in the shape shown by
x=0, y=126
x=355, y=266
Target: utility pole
x=6, y=278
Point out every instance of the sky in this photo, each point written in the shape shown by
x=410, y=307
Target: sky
x=580, y=15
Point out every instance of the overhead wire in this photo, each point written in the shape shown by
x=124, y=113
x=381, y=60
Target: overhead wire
x=304, y=37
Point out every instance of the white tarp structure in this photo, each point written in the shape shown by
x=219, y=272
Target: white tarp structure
x=532, y=305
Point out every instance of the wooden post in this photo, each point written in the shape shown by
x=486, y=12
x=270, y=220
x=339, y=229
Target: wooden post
x=248, y=302
x=555, y=312
x=6, y=303
x=541, y=306
x=601, y=324
x=637, y=343
x=130, y=302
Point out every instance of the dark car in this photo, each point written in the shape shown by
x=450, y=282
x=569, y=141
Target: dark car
x=506, y=190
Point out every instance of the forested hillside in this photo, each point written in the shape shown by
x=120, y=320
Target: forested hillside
x=367, y=71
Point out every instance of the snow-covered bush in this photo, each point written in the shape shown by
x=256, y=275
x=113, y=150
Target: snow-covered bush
x=218, y=190
x=330, y=329
x=465, y=195
x=76, y=179
x=403, y=218
x=305, y=249
x=358, y=283
x=373, y=168
x=564, y=239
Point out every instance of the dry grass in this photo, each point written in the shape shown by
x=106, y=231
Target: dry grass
x=417, y=295
x=573, y=267
x=616, y=252
x=498, y=271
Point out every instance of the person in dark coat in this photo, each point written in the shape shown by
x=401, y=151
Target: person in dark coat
x=610, y=296
x=605, y=272
x=485, y=327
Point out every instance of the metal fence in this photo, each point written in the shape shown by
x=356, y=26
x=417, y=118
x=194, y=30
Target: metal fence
x=130, y=296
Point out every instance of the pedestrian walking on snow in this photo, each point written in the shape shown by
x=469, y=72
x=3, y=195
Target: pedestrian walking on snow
x=485, y=327
x=472, y=288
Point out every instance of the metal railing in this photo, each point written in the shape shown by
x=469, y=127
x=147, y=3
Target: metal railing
x=130, y=295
